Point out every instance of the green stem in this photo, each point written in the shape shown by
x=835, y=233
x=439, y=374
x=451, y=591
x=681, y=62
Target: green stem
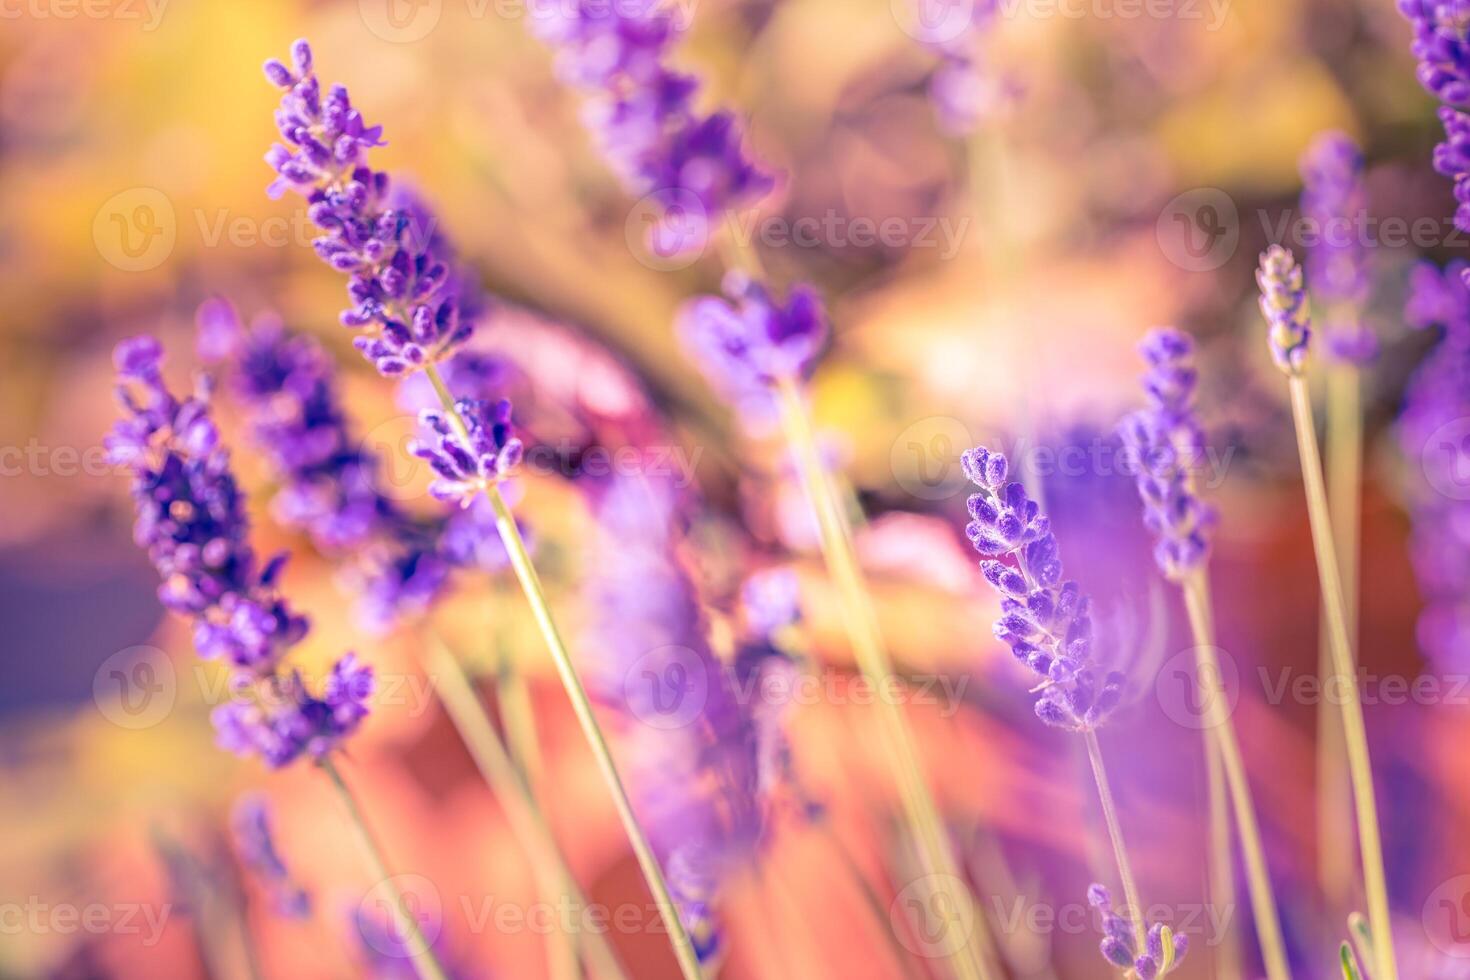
x=935, y=853
x=425, y=964
x=526, y=818
x=1221, y=738
x=1221, y=860
x=520, y=559
x=1344, y=673
x=1344, y=479
x=1115, y=835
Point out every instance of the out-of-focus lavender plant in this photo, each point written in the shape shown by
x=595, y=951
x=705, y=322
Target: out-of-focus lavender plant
x=1442, y=46
x=965, y=90
x=329, y=480
x=1167, y=444
x=1338, y=272
x=1163, y=951
x=191, y=520
x=1431, y=433
x=750, y=342
x=693, y=746
x=404, y=287
x=1044, y=620
x=255, y=843
x=642, y=116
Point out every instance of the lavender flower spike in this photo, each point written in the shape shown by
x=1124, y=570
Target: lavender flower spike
x=1166, y=443
x=469, y=462
x=1442, y=46
x=191, y=520
x=250, y=823
x=1044, y=620
x=1337, y=266
x=1284, y=304
x=1163, y=950
x=402, y=280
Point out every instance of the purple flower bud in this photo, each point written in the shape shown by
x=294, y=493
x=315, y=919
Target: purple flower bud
x=1284, y=304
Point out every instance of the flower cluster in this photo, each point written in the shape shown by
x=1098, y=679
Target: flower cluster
x=1337, y=267
x=1431, y=434
x=329, y=481
x=1045, y=621
x=771, y=600
x=751, y=341
x=250, y=823
x=643, y=119
x=1284, y=304
x=1442, y=46
x=469, y=461
x=1163, y=951
x=191, y=521
x=1166, y=443
x=402, y=278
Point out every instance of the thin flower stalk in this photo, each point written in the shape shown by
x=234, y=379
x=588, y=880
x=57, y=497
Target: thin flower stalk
x=530, y=582
x=420, y=951
x=919, y=807
x=1221, y=861
x=513, y=793
x=1115, y=833
x=1339, y=275
x=1284, y=304
x=1167, y=440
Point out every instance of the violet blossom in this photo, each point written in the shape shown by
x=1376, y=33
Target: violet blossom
x=1160, y=955
x=1334, y=198
x=1166, y=443
x=1044, y=620
x=402, y=279
x=1284, y=304
x=1442, y=46
x=250, y=824
x=191, y=521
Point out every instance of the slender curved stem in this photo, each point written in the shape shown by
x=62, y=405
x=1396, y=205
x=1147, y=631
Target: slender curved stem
x=520, y=559
x=1115, y=835
x=1344, y=464
x=1221, y=857
x=467, y=713
x=1344, y=673
x=1220, y=734
x=935, y=854
x=425, y=963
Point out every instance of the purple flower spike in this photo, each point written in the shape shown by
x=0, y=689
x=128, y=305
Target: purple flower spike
x=467, y=466
x=401, y=271
x=191, y=520
x=772, y=601
x=1431, y=435
x=1166, y=444
x=1045, y=621
x=287, y=722
x=751, y=342
x=1284, y=304
x=1442, y=46
x=1338, y=273
x=642, y=117
x=1120, y=948
x=250, y=823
